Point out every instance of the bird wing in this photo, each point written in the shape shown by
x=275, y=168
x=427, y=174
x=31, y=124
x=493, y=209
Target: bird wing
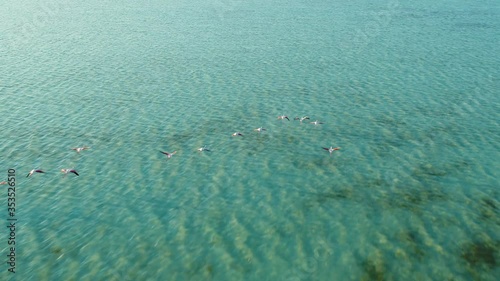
x=74, y=172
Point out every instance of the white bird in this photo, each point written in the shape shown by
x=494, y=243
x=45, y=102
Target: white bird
x=78, y=149
x=331, y=149
x=237, y=134
x=66, y=171
x=283, y=117
x=204, y=148
x=316, y=122
x=168, y=154
x=301, y=118
x=259, y=129
x=3, y=182
x=34, y=171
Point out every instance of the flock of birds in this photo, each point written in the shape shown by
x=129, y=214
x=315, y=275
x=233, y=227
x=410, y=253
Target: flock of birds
x=64, y=171
x=330, y=149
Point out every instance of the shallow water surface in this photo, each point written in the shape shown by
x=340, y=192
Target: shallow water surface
x=409, y=91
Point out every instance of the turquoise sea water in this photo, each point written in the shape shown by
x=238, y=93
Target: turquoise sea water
x=409, y=91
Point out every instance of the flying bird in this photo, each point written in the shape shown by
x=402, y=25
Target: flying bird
x=78, y=149
x=34, y=171
x=66, y=171
x=301, y=118
x=204, y=148
x=331, y=149
x=259, y=129
x=237, y=134
x=168, y=154
x=316, y=122
x=283, y=117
